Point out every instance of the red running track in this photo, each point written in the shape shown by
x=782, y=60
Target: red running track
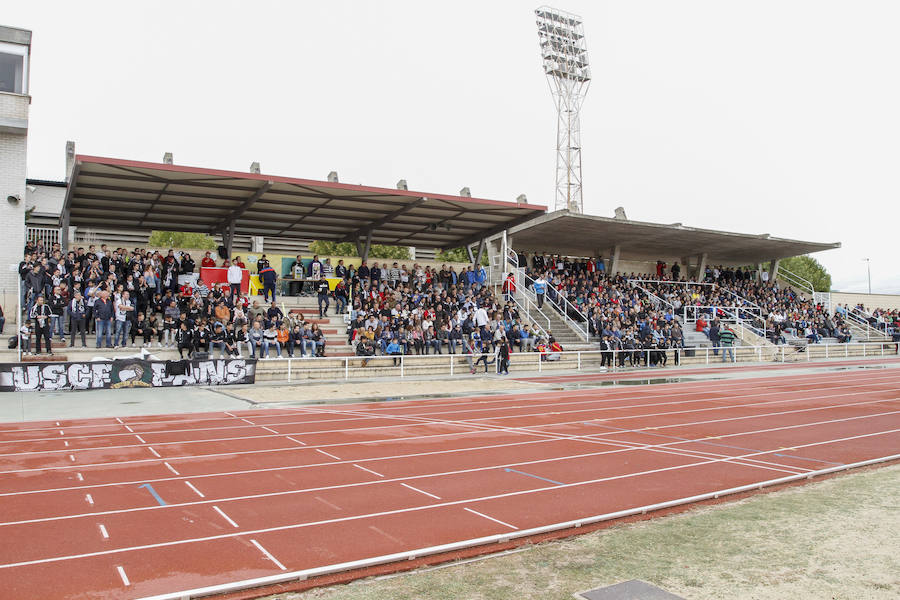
x=154, y=506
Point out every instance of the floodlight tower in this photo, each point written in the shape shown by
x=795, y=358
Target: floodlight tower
x=564, y=54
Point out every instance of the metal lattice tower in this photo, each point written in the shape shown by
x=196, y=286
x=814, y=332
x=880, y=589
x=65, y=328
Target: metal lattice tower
x=564, y=55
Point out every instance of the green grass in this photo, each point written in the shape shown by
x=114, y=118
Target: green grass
x=833, y=539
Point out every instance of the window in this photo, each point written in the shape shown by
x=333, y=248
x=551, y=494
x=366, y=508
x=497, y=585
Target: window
x=13, y=68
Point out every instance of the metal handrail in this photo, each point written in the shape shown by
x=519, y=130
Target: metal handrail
x=582, y=330
x=653, y=297
x=798, y=281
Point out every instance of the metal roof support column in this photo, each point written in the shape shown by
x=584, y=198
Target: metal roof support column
x=469, y=254
x=614, y=260
x=64, y=218
x=228, y=239
x=368, y=246
x=686, y=267
x=759, y=271
x=773, y=271
x=477, y=261
x=701, y=267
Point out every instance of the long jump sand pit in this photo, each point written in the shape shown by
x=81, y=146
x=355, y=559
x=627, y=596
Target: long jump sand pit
x=377, y=389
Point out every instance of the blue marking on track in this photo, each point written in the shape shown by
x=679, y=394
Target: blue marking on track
x=153, y=493
x=535, y=476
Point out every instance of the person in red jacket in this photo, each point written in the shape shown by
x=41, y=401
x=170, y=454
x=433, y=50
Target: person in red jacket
x=207, y=261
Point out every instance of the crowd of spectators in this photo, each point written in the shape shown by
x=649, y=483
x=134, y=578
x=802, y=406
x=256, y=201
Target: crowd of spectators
x=135, y=298
x=138, y=297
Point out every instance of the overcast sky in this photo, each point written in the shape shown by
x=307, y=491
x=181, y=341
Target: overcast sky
x=779, y=117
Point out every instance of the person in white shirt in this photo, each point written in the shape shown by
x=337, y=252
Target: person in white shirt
x=235, y=276
x=123, y=307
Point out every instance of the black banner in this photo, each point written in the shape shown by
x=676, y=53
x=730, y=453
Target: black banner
x=124, y=373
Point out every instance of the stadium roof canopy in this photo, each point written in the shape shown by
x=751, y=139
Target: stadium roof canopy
x=571, y=234
x=146, y=196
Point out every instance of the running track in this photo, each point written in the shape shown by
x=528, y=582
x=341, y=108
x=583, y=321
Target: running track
x=154, y=506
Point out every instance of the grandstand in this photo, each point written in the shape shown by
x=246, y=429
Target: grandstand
x=383, y=414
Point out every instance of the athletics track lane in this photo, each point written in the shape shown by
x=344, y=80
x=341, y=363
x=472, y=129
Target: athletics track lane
x=377, y=479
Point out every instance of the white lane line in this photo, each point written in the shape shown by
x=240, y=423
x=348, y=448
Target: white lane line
x=612, y=396
x=191, y=485
x=416, y=509
x=415, y=489
x=268, y=555
x=368, y=470
x=246, y=421
x=57, y=423
x=130, y=430
x=604, y=401
x=271, y=430
x=437, y=452
x=103, y=532
x=490, y=518
x=171, y=468
x=79, y=477
x=155, y=453
x=123, y=575
x=224, y=516
x=120, y=421
x=761, y=380
x=327, y=454
x=72, y=457
x=89, y=499
x=61, y=432
x=423, y=421
x=297, y=441
x=66, y=443
x=229, y=414
x=140, y=439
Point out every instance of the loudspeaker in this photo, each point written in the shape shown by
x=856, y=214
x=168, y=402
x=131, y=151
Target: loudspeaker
x=222, y=251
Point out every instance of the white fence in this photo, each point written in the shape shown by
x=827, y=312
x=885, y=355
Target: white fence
x=349, y=367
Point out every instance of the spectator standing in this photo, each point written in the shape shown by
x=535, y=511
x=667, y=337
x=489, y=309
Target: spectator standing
x=78, y=320
x=726, y=339
x=40, y=314
x=103, y=314
x=540, y=290
x=235, y=277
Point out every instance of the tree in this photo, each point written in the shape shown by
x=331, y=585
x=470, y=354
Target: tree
x=458, y=255
x=810, y=269
x=181, y=239
x=326, y=248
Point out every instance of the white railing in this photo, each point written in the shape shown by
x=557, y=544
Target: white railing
x=523, y=287
x=559, y=303
x=657, y=301
x=47, y=235
x=797, y=281
x=858, y=320
x=346, y=367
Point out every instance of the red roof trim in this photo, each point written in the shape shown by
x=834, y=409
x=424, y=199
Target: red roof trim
x=309, y=182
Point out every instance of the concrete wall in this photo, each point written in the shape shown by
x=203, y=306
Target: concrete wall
x=870, y=301
x=12, y=216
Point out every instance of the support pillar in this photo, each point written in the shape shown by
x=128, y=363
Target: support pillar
x=773, y=271
x=64, y=230
x=614, y=261
x=701, y=267
x=228, y=239
x=759, y=271
x=470, y=255
x=367, y=246
x=479, y=254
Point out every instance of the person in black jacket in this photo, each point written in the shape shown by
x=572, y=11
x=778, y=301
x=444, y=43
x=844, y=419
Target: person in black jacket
x=322, y=292
x=187, y=264
x=40, y=315
x=185, y=340
x=78, y=320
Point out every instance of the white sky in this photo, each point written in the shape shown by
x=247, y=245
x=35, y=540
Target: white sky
x=774, y=116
